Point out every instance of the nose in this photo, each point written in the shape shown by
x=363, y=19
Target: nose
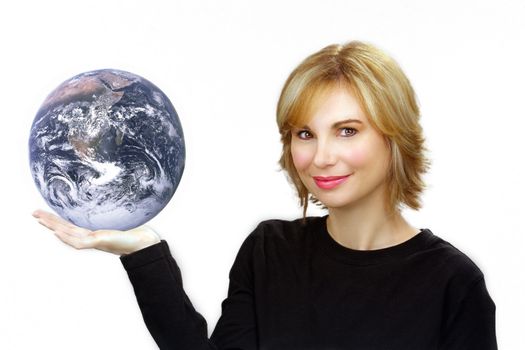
x=324, y=154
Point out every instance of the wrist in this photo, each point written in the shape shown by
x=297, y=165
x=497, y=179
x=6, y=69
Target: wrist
x=147, y=237
x=147, y=242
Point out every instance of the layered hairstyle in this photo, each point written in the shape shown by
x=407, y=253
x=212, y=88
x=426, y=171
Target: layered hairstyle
x=388, y=100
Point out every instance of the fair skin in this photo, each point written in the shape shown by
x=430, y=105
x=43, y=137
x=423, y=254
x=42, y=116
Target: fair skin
x=111, y=241
x=338, y=141
x=343, y=161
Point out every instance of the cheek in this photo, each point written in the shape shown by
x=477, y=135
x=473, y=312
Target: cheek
x=301, y=158
x=371, y=151
x=357, y=157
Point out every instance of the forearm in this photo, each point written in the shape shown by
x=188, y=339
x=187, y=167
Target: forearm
x=167, y=311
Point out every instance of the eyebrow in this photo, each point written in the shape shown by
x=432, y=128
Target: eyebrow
x=340, y=123
x=346, y=121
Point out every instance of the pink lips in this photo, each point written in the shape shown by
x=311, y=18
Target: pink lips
x=329, y=182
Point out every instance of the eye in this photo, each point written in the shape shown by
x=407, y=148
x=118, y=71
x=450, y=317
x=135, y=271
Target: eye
x=347, y=132
x=304, y=134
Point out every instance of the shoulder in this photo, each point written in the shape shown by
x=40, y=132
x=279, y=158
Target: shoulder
x=278, y=235
x=277, y=241
x=452, y=269
x=468, y=309
x=286, y=230
x=454, y=262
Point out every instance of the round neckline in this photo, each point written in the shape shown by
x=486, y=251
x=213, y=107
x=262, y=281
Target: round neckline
x=371, y=257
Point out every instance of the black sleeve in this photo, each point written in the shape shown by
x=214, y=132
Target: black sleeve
x=169, y=314
x=472, y=326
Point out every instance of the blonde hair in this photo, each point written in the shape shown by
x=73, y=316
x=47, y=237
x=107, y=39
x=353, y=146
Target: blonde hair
x=387, y=98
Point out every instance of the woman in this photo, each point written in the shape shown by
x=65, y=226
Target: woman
x=359, y=278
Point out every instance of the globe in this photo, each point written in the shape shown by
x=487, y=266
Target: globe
x=106, y=150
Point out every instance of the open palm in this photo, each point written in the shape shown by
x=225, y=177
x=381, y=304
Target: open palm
x=112, y=241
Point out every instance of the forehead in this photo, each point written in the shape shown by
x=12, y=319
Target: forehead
x=329, y=104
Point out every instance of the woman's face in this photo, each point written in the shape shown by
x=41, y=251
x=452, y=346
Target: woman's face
x=340, y=158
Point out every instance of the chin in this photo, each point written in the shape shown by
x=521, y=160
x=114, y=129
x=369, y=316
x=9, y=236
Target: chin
x=331, y=202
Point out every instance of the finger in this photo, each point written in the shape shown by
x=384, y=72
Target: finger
x=52, y=225
x=44, y=214
x=49, y=220
x=79, y=232
x=76, y=242
x=56, y=223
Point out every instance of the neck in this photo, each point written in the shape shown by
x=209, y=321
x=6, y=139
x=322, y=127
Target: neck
x=368, y=226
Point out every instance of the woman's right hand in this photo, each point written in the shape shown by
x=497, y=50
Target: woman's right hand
x=112, y=241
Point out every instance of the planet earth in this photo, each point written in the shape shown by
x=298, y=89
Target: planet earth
x=107, y=150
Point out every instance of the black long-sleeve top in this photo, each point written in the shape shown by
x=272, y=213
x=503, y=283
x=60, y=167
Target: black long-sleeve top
x=293, y=287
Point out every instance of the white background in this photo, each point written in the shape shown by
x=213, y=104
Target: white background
x=222, y=64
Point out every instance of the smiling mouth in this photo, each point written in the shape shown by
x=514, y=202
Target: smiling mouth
x=329, y=182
